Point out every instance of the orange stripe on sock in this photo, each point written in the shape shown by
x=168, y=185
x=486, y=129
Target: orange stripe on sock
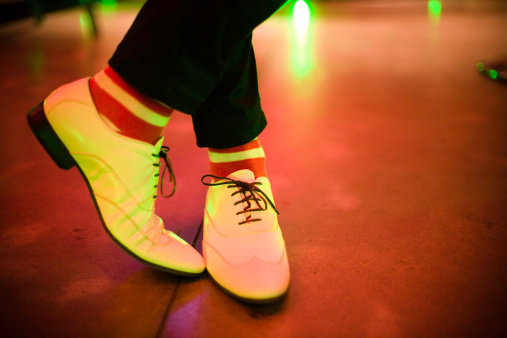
x=149, y=102
x=127, y=123
x=256, y=165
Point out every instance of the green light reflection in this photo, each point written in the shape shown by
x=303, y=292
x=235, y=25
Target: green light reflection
x=108, y=6
x=435, y=7
x=301, y=48
x=86, y=24
x=434, y=11
x=301, y=19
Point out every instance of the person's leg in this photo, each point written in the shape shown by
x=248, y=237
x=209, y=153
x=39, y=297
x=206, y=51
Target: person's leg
x=127, y=111
x=231, y=114
x=178, y=51
x=243, y=246
x=213, y=77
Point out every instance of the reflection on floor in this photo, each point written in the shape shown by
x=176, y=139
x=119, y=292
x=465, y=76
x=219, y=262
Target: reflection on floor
x=388, y=158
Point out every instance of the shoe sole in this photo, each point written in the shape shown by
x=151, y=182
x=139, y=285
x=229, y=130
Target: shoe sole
x=59, y=153
x=259, y=301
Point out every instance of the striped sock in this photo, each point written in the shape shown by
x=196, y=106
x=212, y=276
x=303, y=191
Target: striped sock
x=127, y=111
x=224, y=162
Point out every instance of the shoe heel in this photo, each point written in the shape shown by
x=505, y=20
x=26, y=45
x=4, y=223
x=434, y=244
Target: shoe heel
x=47, y=137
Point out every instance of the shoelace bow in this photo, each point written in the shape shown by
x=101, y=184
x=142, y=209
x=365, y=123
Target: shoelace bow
x=255, y=194
x=168, y=167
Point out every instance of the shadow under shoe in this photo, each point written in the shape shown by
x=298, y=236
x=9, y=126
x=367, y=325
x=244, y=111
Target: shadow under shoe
x=121, y=173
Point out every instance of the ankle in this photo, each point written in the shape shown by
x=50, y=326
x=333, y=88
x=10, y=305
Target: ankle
x=127, y=111
x=224, y=162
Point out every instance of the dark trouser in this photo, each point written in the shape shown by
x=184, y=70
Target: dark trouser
x=196, y=56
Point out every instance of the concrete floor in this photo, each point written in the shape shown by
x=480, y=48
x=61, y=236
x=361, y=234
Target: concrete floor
x=387, y=154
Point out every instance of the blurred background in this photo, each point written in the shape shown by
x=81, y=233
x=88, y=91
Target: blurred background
x=386, y=150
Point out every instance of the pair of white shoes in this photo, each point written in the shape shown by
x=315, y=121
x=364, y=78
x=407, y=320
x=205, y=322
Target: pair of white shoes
x=243, y=247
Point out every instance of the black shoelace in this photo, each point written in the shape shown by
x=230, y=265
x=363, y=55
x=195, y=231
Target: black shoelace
x=168, y=167
x=254, y=194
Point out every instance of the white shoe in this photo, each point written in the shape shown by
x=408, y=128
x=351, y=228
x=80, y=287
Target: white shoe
x=122, y=175
x=242, y=242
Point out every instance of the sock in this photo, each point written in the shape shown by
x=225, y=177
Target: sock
x=127, y=111
x=224, y=162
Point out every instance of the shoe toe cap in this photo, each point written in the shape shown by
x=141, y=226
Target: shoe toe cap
x=181, y=256
x=171, y=254
x=255, y=281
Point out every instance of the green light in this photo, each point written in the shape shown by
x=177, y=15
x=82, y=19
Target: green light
x=108, y=6
x=301, y=49
x=480, y=66
x=435, y=7
x=86, y=25
x=493, y=74
x=301, y=18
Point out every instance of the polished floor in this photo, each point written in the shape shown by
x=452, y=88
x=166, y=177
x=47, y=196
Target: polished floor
x=387, y=154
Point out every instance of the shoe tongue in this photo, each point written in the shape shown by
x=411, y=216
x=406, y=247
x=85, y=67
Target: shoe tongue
x=244, y=175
